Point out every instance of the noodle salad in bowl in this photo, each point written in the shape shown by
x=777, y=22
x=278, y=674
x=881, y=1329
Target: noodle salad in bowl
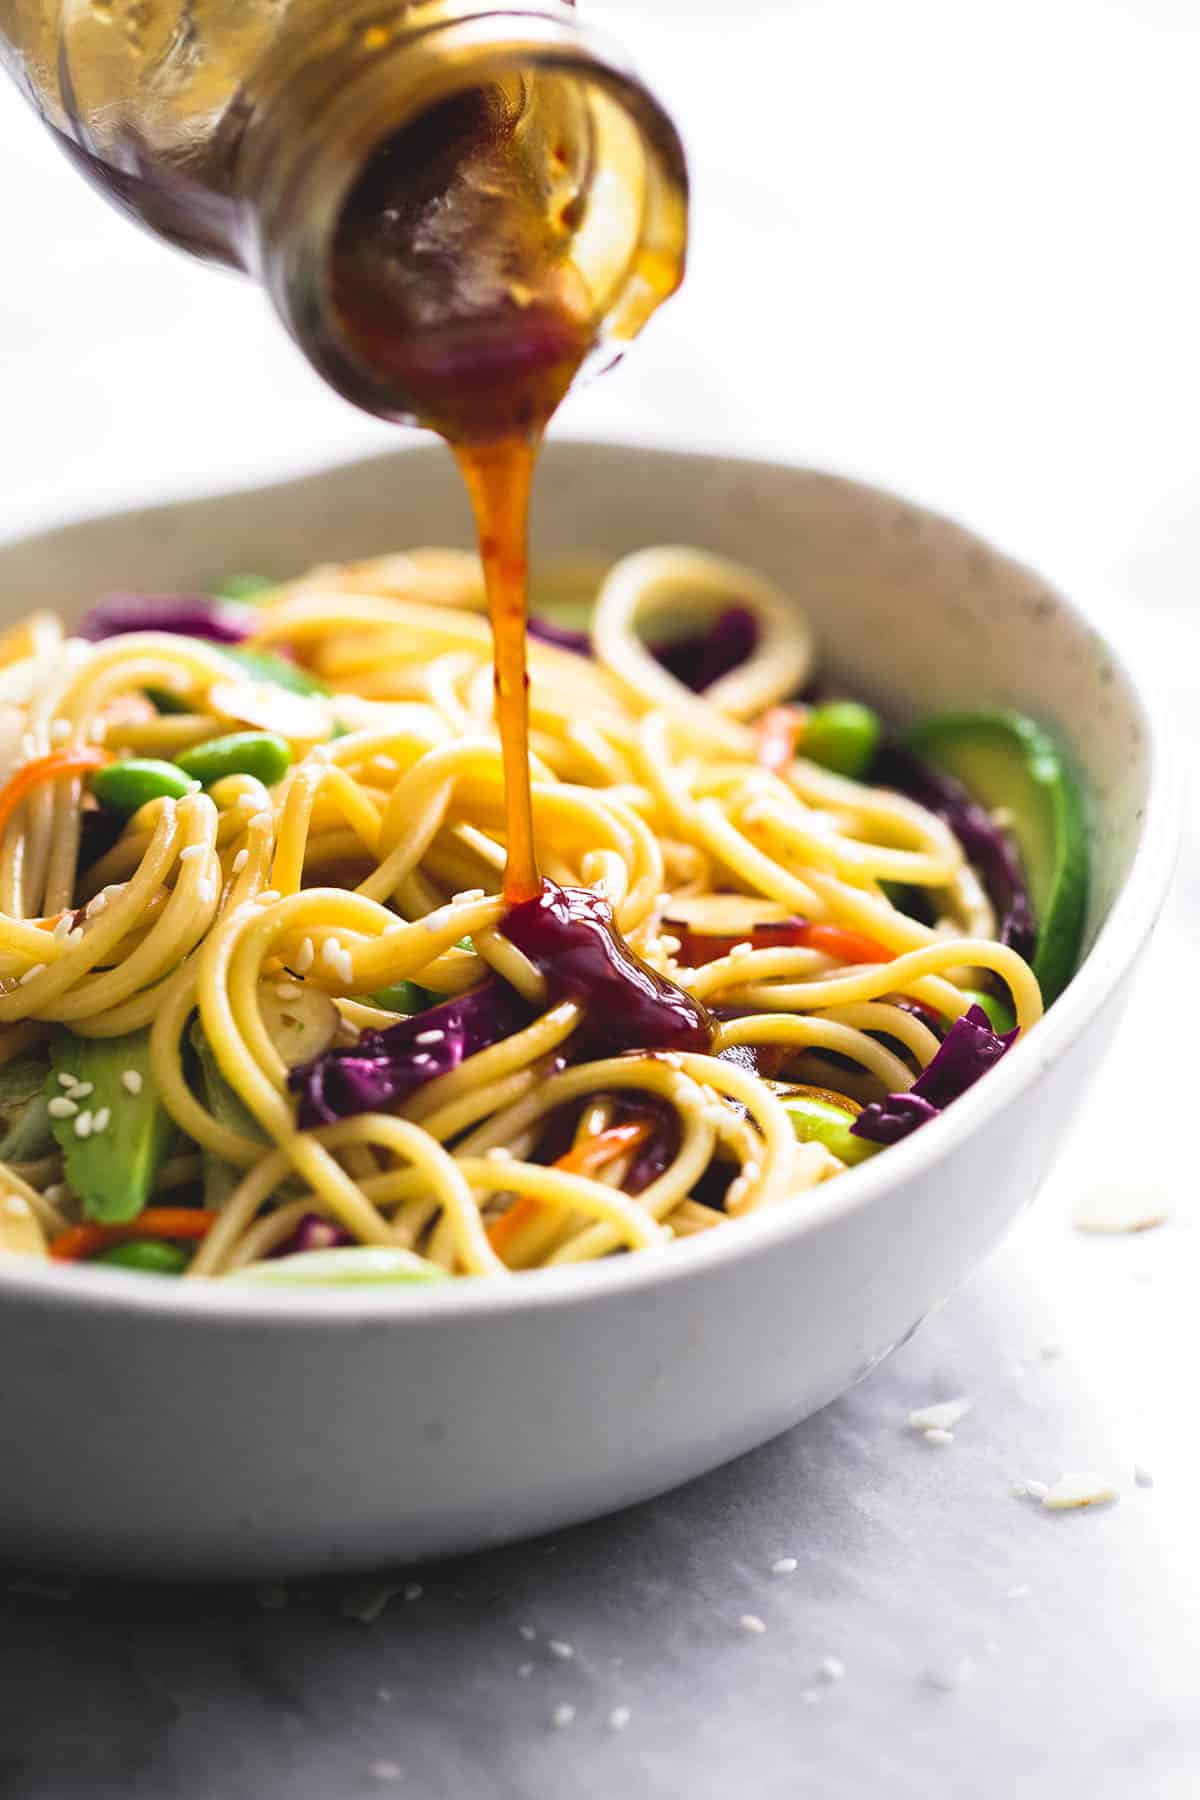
x=266, y=1015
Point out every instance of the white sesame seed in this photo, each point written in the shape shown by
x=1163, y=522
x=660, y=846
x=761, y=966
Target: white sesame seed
x=194, y=787
x=56, y=1193
x=556, y=1647
x=752, y=1623
x=1037, y=1490
x=302, y=962
x=935, y=1436
x=262, y=821
x=468, y=894
x=429, y=1037
x=82, y=1089
x=83, y=1125
x=619, y=1718
x=100, y=1119
x=131, y=1080
x=386, y=764
x=288, y=990
x=31, y=974
x=269, y=896
x=736, y=953
x=412, y=1590
x=563, y=1715
x=240, y=861
x=247, y=803
x=527, y=1632
x=1082, y=1489
x=499, y=1153
x=833, y=1668
x=942, y=1417
x=524, y=1670
x=63, y=927
x=192, y=851
x=784, y=1565
x=61, y=1107
x=67, y=1081
x=17, y=1207
x=1142, y=1476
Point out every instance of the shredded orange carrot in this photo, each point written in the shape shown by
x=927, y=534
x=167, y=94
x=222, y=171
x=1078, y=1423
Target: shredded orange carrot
x=73, y=759
x=583, y=1159
x=847, y=946
x=779, y=731
x=79, y=1242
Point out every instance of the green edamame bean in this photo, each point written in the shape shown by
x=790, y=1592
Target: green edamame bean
x=258, y=753
x=842, y=735
x=403, y=997
x=150, y=1256
x=1000, y=1014
x=820, y=1121
x=124, y=786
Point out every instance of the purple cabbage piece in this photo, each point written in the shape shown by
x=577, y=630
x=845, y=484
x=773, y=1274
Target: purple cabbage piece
x=561, y=636
x=385, y=1067
x=315, y=1233
x=187, y=615
x=569, y=936
x=984, y=844
x=697, y=660
x=968, y=1051
x=700, y=660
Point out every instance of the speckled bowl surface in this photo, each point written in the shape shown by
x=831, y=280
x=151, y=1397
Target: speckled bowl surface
x=173, y=1429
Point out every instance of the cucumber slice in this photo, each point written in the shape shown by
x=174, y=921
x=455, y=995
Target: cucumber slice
x=1006, y=761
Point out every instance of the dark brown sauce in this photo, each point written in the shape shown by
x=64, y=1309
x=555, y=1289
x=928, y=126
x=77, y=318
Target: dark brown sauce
x=450, y=280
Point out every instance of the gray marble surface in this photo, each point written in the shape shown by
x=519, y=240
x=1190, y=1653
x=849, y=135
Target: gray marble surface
x=973, y=277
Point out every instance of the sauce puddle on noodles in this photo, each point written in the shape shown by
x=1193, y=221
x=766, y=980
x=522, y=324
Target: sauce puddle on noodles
x=488, y=376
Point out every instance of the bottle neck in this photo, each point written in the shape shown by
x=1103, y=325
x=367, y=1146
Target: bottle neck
x=467, y=190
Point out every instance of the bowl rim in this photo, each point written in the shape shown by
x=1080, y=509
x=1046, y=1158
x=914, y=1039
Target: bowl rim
x=1122, y=936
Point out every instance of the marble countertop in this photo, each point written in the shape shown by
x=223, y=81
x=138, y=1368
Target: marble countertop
x=954, y=254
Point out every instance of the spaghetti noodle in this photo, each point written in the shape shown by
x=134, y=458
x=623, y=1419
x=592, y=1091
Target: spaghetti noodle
x=276, y=937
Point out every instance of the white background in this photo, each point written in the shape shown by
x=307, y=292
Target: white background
x=951, y=248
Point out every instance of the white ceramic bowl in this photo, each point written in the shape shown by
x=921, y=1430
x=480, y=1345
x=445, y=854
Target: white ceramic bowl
x=178, y=1428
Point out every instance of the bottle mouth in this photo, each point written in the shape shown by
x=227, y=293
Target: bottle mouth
x=506, y=204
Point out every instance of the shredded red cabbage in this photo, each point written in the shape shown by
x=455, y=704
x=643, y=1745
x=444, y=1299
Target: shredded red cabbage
x=984, y=844
x=569, y=936
x=385, y=1067
x=700, y=660
x=968, y=1051
x=561, y=636
x=697, y=660
x=315, y=1233
x=189, y=615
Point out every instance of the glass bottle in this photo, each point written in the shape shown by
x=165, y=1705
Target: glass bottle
x=469, y=176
